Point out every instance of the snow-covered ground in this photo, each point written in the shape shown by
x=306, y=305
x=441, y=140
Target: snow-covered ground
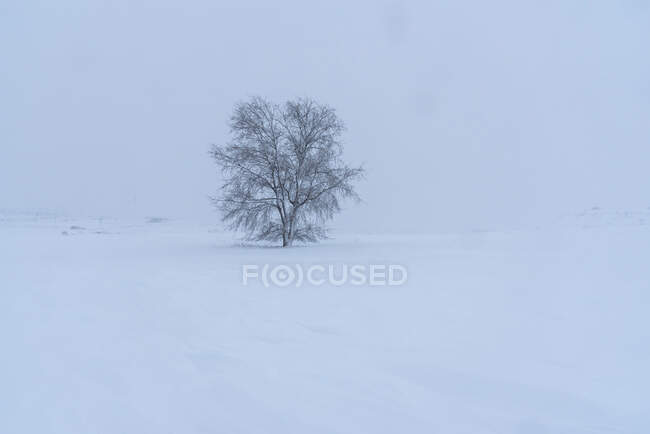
x=110, y=326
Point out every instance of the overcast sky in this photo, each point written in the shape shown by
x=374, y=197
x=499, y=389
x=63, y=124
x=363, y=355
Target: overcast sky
x=466, y=114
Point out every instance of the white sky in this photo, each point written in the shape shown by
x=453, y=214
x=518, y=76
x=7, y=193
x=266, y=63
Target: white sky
x=466, y=114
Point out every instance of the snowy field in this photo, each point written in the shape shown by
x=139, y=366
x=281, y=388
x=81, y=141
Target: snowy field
x=112, y=326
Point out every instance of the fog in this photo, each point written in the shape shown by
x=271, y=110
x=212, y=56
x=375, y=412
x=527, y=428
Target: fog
x=466, y=114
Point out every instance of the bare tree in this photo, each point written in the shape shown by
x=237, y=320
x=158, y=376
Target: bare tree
x=284, y=177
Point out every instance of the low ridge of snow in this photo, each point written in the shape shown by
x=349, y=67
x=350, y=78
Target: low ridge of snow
x=598, y=217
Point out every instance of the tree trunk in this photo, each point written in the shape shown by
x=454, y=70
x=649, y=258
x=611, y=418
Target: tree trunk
x=286, y=234
x=291, y=229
